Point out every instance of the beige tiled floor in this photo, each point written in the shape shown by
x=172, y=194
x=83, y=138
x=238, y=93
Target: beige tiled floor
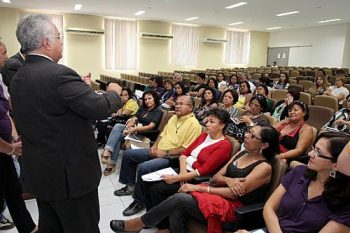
x=111, y=206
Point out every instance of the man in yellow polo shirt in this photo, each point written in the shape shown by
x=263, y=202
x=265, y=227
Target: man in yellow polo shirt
x=180, y=131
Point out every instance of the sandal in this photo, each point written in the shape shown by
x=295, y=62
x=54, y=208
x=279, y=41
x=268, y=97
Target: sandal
x=108, y=171
x=106, y=154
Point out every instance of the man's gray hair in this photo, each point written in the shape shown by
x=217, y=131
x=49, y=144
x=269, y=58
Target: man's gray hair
x=32, y=29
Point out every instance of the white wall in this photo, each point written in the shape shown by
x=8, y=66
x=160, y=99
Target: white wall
x=327, y=45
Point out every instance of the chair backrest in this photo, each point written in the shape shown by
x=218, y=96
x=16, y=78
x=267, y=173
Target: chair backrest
x=279, y=168
x=165, y=118
x=307, y=84
x=278, y=94
x=273, y=120
x=326, y=101
x=296, y=86
x=236, y=146
x=319, y=115
x=305, y=97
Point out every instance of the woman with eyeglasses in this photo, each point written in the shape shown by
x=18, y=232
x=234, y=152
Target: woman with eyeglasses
x=254, y=116
x=242, y=181
x=340, y=121
x=295, y=135
x=313, y=198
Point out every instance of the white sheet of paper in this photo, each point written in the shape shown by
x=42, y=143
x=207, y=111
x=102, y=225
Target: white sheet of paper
x=157, y=175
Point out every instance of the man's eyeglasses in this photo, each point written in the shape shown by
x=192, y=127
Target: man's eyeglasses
x=319, y=154
x=60, y=37
x=180, y=103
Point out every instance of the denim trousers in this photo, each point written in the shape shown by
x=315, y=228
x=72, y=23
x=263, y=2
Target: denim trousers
x=114, y=141
x=136, y=163
x=178, y=208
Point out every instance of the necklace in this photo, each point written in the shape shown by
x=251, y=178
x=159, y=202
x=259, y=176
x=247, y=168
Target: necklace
x=177, y=128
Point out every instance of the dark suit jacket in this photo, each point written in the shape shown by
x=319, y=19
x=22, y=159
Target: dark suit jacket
x=11, y=67
x=53, y=109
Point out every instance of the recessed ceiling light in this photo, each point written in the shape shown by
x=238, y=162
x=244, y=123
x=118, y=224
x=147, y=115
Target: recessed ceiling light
x=329, y=20
x=77, y=7
x=6, y=1
x=288, y=13
x=192, y=18
x=139, y=13
x=237, y=23
x=273, y=28
x=236, y=5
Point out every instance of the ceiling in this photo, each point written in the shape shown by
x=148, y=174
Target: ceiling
x=257, y=15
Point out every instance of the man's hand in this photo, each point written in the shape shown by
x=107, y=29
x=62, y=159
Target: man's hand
x=87, y=79
x=114, y=87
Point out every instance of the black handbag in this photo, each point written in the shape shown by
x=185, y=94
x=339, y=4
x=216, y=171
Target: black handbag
x=236, y=130
x=122, y=119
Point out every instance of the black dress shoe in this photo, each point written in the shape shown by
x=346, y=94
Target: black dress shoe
x=117, y=225
x=133, y=208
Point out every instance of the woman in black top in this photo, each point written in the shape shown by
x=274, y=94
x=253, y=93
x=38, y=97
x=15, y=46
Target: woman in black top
x=241, y=181
x=147, y=118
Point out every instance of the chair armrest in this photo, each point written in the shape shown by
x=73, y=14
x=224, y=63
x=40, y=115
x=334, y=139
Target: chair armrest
x=200, y=179
x=249, y=209
x=245, y=214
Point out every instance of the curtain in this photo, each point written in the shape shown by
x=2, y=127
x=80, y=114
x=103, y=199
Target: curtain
x=120, y=44
x=237, y=47
x=185, y=45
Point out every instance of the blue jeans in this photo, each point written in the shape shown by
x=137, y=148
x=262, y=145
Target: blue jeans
x=139, y=161
x=114, y=140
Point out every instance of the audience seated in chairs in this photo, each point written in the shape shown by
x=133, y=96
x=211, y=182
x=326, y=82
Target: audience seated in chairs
x=198, y=89
x=147, y=118
x=229, y=98
x=129, y=109
x=338, y=90
x=239, y=126
x=295, y=135
x=312, y=198
x=281, y=107
x=244, y=94
x=180, y=131
x=243, y=180
x=282, y=83
x=208, y=101
x=213, y=84
x=340, y=121
x=205, y=156
x=319, y=88
x=180, y=90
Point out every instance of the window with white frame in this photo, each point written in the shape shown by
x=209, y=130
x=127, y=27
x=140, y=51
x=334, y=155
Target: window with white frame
x=237, y=47
x=57, y=20
x=185, y=45
x=120, y=44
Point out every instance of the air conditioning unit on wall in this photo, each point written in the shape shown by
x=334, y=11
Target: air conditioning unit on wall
x=85, y=31
x=214, y=40
x=156, y=36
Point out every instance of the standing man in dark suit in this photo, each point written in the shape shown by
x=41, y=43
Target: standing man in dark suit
x=53, y=109
x=12, y=66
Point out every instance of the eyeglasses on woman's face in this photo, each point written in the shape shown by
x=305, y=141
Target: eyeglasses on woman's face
x=319, y=154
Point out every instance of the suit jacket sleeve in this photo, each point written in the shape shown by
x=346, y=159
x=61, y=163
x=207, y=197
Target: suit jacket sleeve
x=82, y=100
